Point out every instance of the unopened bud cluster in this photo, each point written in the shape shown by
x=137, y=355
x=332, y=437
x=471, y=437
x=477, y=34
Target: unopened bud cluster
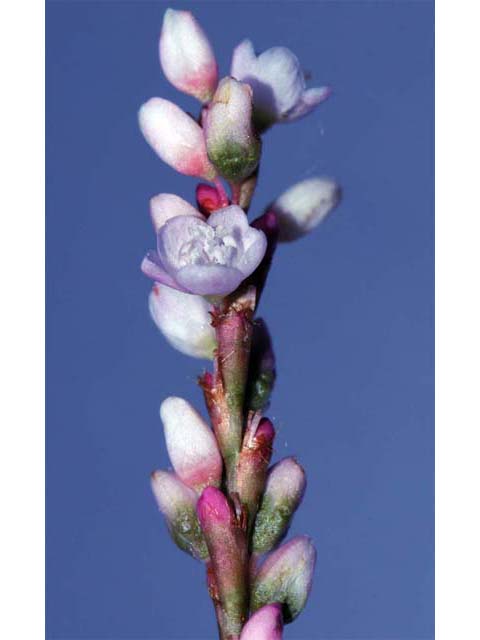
x=223, y=501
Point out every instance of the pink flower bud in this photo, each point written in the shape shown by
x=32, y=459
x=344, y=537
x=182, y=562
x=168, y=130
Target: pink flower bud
x=304, y=206
x=265, y=624
x=184, y=319
x=226, y=542
x=283, y=493
x=177, y=503
x=165, y=206
x=214, y=511
x=186, y=56
x=286, y=577
x=191, y=444
x=208, y=199
x=232, y=144
x=175, y=137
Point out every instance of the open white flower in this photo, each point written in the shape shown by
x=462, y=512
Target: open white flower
x=206, y=257
x=278, y=84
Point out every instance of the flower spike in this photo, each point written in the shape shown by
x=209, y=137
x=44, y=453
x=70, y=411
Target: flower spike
x=222, y=502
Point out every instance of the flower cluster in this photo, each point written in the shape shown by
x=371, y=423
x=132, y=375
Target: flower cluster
x=222, y=502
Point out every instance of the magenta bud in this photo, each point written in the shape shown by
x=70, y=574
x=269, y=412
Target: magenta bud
x=213, y=509
x=208, y=199
x=265, y=624
x=226, y=542
x=177, y=503
x=186, y=55
x=286, y=577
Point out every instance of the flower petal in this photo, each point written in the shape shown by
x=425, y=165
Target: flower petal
x=174, y=237
x=243, y=60
x=152, y=267
x=215, y=279
x=256, y=242
x=167, y=205
x=309, y=99
x=279, y=69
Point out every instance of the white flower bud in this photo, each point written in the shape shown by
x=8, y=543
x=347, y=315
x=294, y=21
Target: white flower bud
x=286, y=577
x=191, y=445
x=184, y=319
x=186, y=55
x=175, y=137
x=178, y=504
x=302, y=207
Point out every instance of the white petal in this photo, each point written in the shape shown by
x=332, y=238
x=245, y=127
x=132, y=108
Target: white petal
x=185, y=321
x=191, y=444
x=176, y=239
x=279, y=69
x=307, y=102
x=152, y=268
x=209, y=280
x=167, y=205
x=243, y=60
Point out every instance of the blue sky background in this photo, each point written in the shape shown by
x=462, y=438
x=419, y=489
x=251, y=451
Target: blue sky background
x=350, y=308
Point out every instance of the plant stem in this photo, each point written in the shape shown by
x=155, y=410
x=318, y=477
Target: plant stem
x=234, y=327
